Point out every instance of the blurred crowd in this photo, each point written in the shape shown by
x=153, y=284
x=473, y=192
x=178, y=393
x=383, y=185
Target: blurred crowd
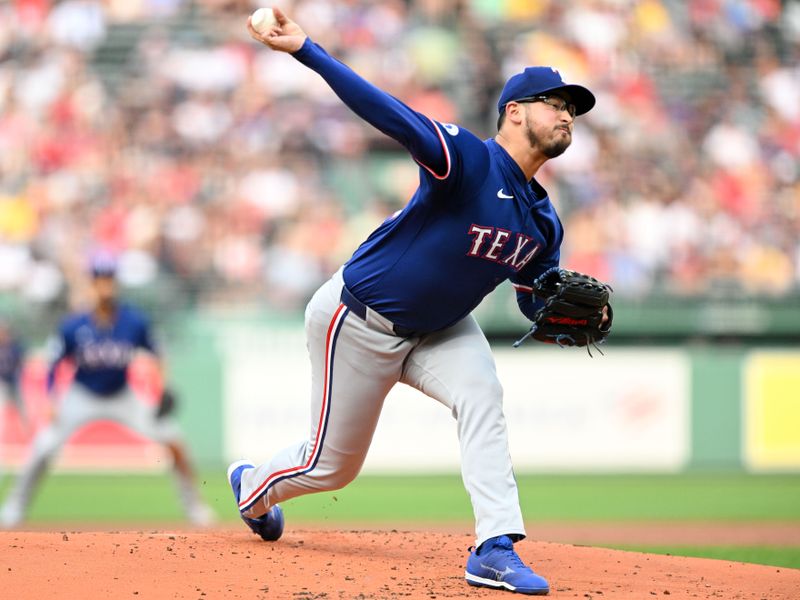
x=225, y=174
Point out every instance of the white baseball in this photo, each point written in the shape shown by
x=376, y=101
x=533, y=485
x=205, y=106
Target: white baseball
x=263, y=20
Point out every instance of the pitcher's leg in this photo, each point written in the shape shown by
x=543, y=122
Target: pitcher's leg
x=353, y=368
x=456, y=367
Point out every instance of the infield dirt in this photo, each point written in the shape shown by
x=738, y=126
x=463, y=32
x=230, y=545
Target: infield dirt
x=329, y=564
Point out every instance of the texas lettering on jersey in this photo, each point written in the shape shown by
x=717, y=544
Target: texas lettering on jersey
x=104, y=354
x=489, y=243
x=94, y=350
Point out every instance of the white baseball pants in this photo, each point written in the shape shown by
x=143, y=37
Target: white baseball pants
x=354, y=364
x=78, y=407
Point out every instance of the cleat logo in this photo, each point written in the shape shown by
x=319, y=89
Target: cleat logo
x=498, y=574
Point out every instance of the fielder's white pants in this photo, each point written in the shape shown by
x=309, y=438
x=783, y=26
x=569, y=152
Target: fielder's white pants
x=78, y=407
x=354, y=364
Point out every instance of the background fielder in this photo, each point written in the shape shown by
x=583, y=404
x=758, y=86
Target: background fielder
x=12, y=354
x=399, y=309
x=101, y=344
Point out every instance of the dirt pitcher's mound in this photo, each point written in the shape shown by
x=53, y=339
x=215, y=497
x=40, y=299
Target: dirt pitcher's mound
x=310, y=564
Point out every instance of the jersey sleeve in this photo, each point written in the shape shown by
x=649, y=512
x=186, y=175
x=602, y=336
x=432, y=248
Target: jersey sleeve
x=468, y=163
x=145, y=337
x=17, y=351
x=59, y=347
x=553, y=230
x=523, y=283
x=416, y=132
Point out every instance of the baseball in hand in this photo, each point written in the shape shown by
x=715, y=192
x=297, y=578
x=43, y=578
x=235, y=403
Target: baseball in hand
x=263, y=19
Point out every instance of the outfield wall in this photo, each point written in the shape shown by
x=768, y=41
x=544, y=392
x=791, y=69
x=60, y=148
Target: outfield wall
x=634, y=409
x=244, y=387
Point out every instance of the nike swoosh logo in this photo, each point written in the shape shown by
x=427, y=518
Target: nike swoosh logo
x=502, y=194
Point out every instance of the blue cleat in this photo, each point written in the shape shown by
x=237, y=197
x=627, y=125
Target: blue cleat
x=498, y=566
x=268, y=526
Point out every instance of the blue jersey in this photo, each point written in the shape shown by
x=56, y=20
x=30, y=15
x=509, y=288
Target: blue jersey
x=11, y=355
x=102, y=354
x=474, y=222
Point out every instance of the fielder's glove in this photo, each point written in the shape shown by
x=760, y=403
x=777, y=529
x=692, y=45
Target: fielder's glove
x=572, y=314
x=166, y=404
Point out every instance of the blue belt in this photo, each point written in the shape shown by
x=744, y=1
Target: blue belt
x=360, y=309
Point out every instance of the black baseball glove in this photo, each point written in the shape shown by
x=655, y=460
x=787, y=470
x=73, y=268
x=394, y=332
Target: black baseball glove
x=166, y=404
x=572, y=314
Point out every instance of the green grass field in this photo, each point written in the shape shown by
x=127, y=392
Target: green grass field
x=763, y=555
x=441, y=500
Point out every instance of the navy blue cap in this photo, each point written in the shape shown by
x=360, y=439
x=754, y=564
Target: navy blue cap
x=534, y=81
x=103, y=265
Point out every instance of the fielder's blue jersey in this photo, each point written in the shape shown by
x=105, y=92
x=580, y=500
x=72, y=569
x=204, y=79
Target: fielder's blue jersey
x=474, y=222
x=102, y=354
x=11, y=355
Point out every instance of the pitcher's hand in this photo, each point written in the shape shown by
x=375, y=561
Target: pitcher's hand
x=284, y=36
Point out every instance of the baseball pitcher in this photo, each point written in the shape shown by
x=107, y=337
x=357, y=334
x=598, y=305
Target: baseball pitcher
x=399, y=309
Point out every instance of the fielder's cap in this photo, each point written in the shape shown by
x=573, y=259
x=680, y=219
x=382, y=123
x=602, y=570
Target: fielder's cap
x=535, y=81
x=103, y=265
